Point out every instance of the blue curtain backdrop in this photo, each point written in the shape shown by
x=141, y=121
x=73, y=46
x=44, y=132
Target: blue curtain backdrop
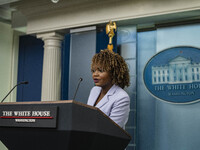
x=65, y=67
x=30, y=68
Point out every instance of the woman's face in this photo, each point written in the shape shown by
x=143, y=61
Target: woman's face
x=101, y=78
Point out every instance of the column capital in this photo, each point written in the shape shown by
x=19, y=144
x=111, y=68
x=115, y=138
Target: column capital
x=50, y=35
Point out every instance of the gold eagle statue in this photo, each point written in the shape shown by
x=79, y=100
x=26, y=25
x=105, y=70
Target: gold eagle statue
x=110, y=28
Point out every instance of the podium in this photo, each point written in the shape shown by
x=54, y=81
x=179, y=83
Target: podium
x=58, y=125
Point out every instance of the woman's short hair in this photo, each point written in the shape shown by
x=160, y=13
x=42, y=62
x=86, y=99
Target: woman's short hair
x=114, y=64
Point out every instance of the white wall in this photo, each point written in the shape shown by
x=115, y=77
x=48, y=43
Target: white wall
x=8, y=60
x=8, y=63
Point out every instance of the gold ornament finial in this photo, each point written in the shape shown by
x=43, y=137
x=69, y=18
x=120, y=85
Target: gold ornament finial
x=110, y=27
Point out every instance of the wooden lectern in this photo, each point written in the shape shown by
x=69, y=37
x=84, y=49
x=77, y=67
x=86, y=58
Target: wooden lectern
x=58, y=125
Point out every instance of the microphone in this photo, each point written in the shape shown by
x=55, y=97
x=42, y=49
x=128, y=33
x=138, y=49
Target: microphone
x=81, y=79
x=24, y=82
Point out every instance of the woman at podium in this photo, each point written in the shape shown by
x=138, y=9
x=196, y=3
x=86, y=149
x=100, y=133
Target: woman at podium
x=110, y=74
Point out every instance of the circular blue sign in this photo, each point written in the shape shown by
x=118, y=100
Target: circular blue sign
x=173, y=75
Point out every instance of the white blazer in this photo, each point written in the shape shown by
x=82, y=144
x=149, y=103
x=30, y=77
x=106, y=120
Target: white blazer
x=115, y=104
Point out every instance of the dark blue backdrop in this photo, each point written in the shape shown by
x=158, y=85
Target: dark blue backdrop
x=30, y=68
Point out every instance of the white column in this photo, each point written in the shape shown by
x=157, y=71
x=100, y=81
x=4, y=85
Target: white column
x=51, y=76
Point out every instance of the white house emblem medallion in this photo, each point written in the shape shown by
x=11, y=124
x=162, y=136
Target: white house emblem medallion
x=173, y=75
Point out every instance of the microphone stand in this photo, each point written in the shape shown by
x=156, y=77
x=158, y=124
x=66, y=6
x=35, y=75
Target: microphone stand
x=13, y=89
x=77, y=88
